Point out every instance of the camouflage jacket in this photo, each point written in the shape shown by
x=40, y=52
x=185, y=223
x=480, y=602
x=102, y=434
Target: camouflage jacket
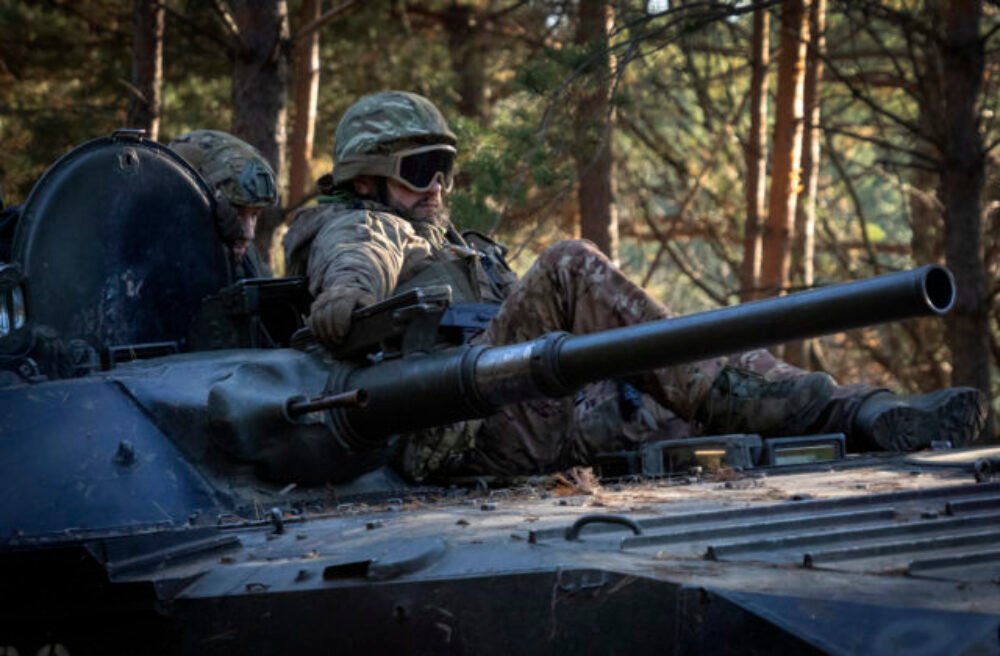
x=350, y=242
x=346, y=241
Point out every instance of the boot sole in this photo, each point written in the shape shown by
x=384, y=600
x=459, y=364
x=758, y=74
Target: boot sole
x=958, y=416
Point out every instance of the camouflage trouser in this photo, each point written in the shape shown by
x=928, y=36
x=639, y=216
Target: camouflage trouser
x=573, y=287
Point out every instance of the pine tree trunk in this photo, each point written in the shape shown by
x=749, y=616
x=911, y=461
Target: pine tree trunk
x=804, y=249
x=595, y=194
x=468, y=58
x=306, y=98
x=756, y=156
x=923, y=200
x=260, y=90
x=961, y=193
x=147, y=67
x=787, y=146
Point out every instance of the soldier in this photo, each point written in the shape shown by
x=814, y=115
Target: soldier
x=384, y=228
x=244, y=186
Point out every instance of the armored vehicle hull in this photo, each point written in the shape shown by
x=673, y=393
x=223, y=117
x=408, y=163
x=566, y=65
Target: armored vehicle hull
x=874, y=555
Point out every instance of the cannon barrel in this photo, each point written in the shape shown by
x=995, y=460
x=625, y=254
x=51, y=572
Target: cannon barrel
x=441, y=387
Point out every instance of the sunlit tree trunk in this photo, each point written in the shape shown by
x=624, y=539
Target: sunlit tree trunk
x=961, y=193
x=804, y=249
x=306, y=96
x=756, y=156
x=144, y=104
x=260, y=89
x=787, y=145
x=598, y=215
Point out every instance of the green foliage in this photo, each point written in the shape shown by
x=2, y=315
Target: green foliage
x=60, y=82
x=680, y=79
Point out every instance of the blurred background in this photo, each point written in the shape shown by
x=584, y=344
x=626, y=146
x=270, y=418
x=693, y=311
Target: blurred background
x=718, y=151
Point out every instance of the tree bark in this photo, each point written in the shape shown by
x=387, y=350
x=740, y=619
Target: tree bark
x=804, y=249
x=921, y=356
x=260, y=89
x=468, y=58
x=594, y=162
x=147, y=67
x=961, y=193
x=306, y=98
x=926, y=212
x=787, y=147
x=756, y=156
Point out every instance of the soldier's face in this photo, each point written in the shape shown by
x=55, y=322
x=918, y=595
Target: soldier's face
x=248, y=221
x=418, y=204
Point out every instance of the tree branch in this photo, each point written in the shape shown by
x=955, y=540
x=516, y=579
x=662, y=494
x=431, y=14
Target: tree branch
x=879, y=9
x=867, y=100
x=855, y=199
x=221, y=8
x=306, y=30
x=933, y=164
x=173, y=13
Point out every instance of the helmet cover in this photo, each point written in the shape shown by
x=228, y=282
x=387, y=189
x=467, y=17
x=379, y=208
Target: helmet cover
x=379, y=124
x=230, y=165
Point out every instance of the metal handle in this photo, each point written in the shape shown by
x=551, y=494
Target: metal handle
x=573, y=532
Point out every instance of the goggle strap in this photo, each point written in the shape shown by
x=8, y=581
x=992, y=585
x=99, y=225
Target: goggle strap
x=369, y=165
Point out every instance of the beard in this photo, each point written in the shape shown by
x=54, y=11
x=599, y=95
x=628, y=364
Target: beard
x=417, y=213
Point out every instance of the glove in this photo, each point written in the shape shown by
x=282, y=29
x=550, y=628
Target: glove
x=330, y=315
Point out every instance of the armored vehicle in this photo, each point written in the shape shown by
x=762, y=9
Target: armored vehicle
x=184, y=471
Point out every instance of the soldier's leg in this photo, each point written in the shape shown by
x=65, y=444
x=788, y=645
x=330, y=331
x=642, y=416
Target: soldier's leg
x=575, y=288
x=547, y=435
x=572, y=287
x=872, y=418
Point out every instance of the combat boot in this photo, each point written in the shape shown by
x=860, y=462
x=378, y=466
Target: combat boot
x=906, y=422
x=744, y=402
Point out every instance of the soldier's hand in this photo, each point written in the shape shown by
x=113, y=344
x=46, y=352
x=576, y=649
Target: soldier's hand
x=330, y=315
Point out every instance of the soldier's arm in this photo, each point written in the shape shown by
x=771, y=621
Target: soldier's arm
x=365, y=250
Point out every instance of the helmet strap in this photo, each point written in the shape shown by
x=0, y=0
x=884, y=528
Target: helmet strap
x=382, y=190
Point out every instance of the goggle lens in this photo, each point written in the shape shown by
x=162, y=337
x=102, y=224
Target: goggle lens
x=419, y=170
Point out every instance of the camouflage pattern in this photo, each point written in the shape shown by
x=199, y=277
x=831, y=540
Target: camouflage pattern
x=574, y=287
x=380, y=123
x=221, y=159
x=362, y=244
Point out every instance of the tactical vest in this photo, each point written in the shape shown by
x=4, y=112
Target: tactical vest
x=472, y=264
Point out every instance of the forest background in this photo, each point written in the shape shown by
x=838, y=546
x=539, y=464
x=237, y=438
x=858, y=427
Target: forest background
x=719, y=151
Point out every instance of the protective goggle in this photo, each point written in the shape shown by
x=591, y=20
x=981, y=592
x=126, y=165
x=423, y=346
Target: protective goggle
x=418, y=168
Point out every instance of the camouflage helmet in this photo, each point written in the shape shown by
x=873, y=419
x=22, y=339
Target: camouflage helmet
x=230, y=165
x=381, y=123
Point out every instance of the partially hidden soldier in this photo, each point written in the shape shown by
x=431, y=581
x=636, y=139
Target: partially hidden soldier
x=244, y=185
x=9, y=216
x=383, y=228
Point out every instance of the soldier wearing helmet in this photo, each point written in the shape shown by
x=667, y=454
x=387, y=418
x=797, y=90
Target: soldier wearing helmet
x=384, y=228
x=244, y=185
